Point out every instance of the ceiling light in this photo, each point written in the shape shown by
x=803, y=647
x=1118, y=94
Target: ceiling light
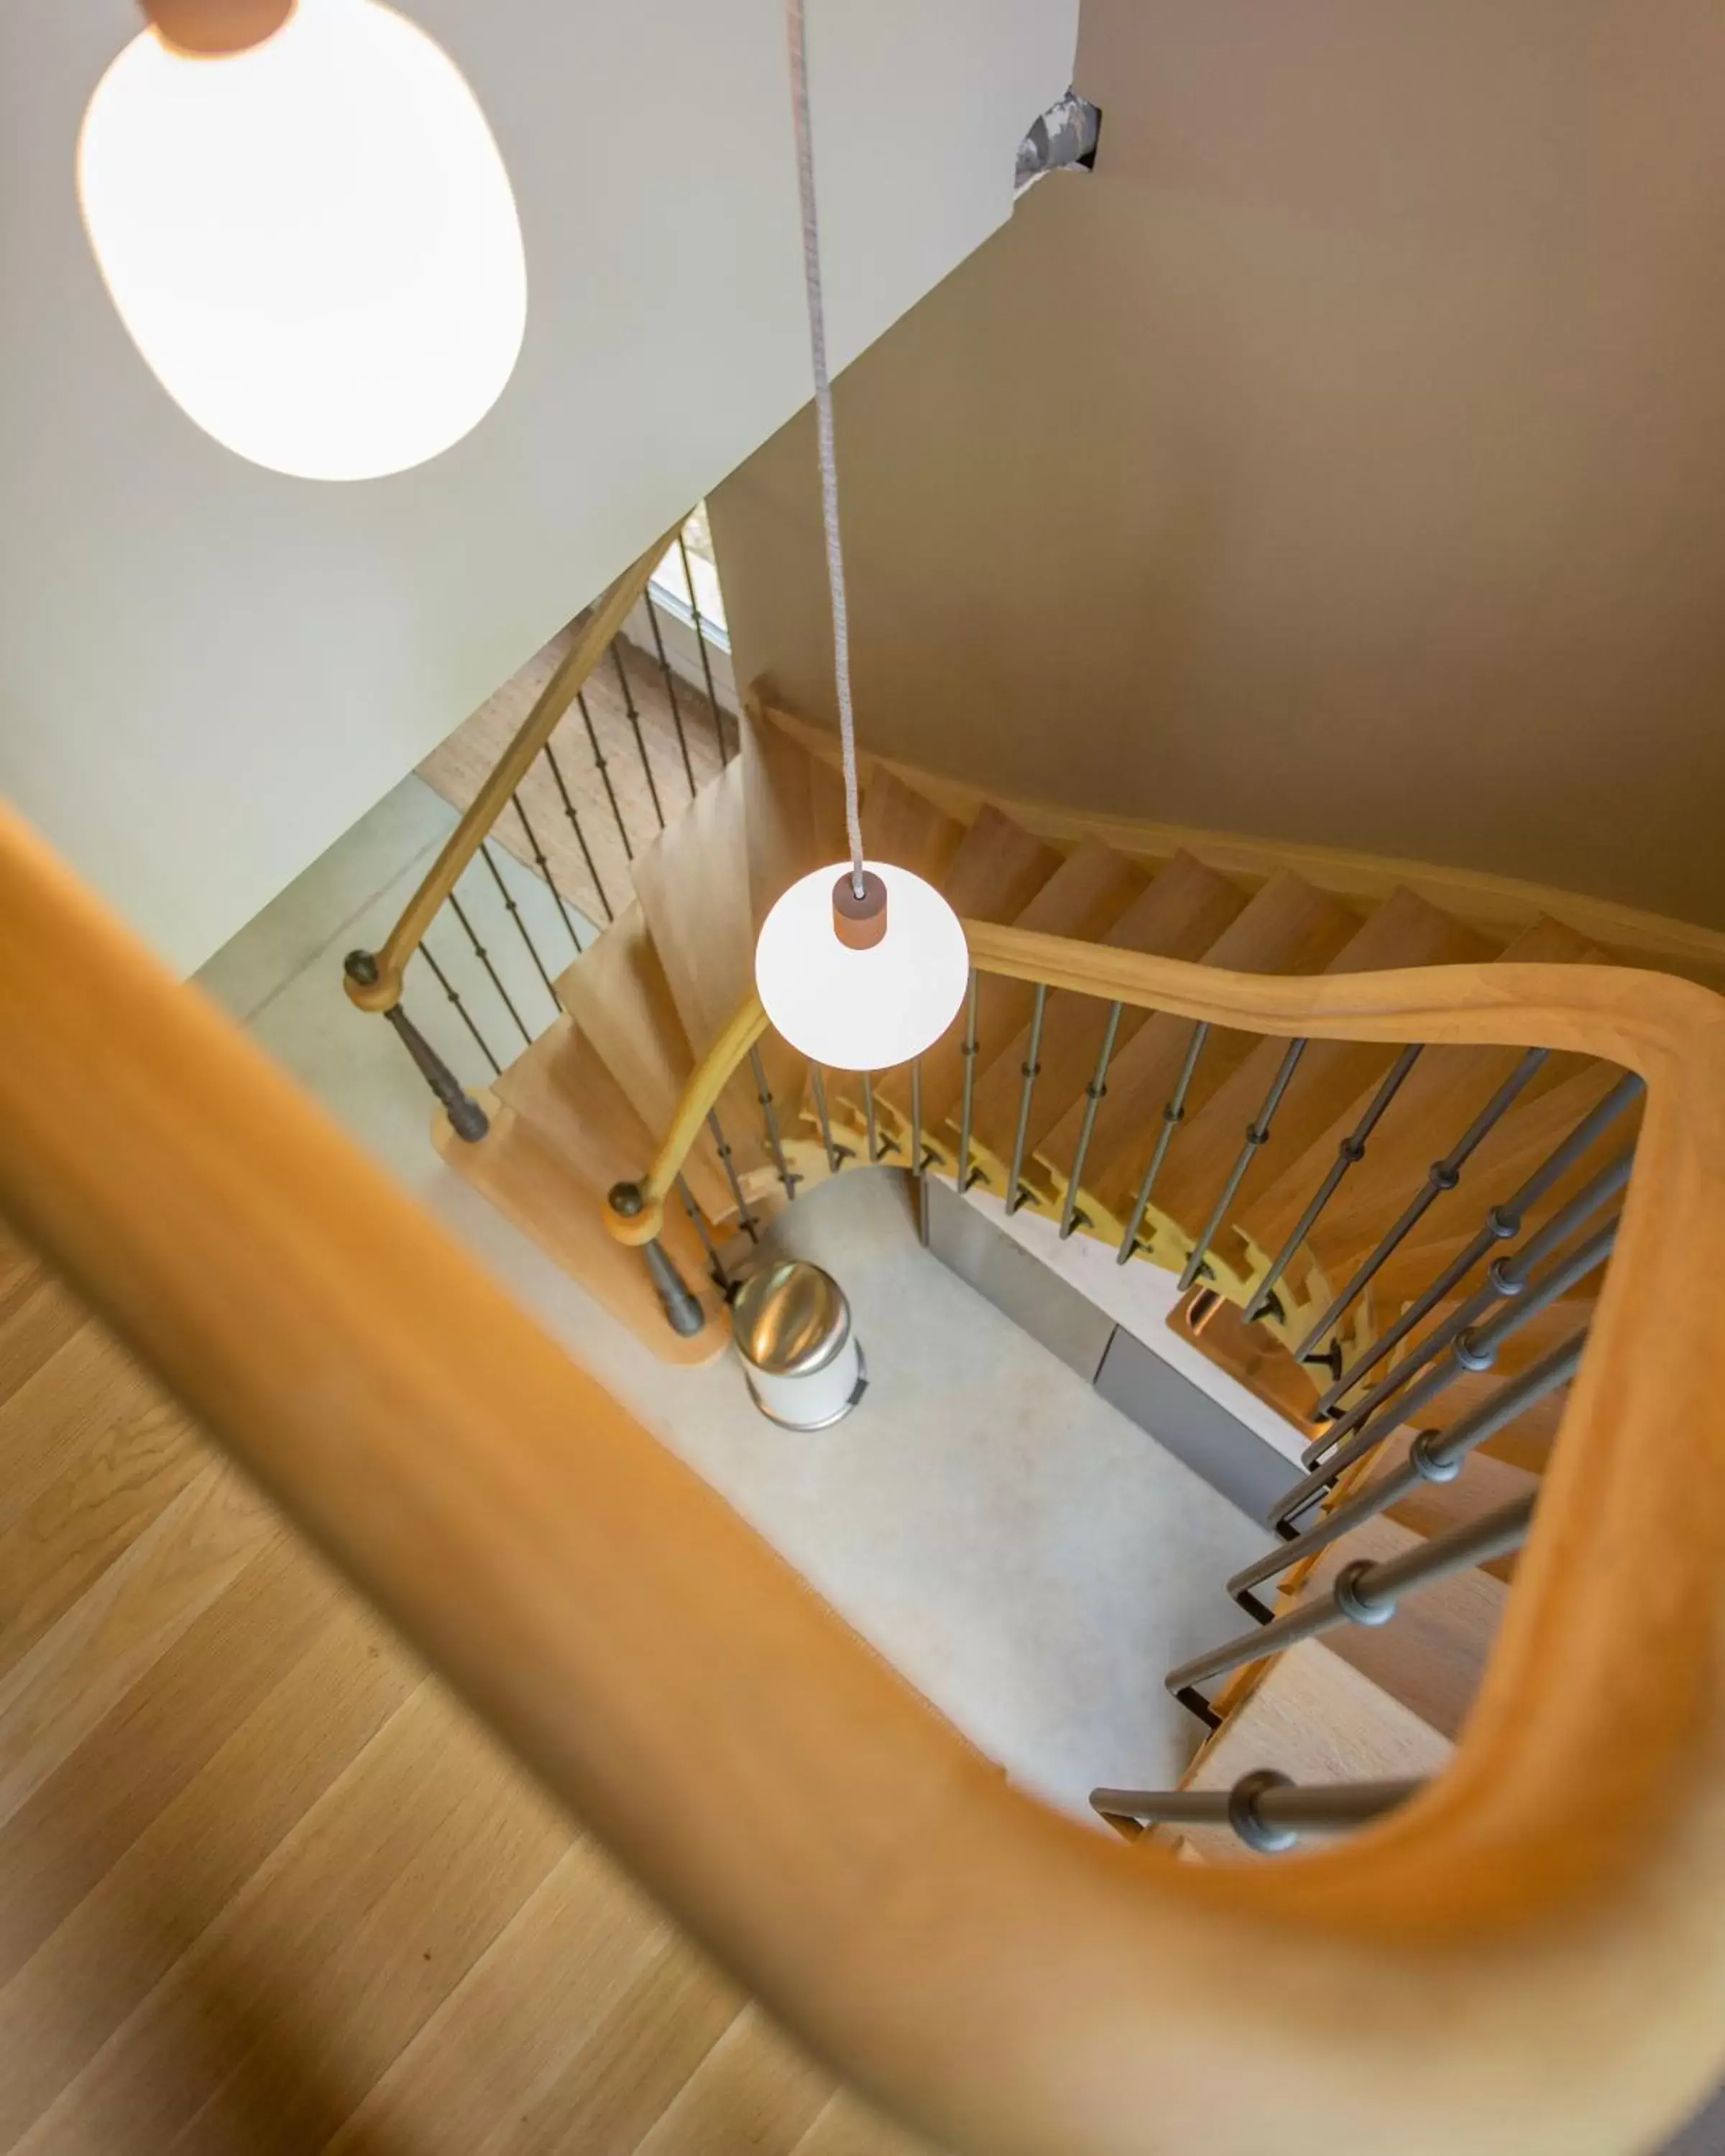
x=861, y=965
x=306, y=227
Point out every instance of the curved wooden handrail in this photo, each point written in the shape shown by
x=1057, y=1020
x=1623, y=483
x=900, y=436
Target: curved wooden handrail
x=1531, y=1957
x=702, y=1095
x=592, y=641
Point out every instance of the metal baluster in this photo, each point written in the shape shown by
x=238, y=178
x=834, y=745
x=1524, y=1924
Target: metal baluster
x=1506, y=1276
x=670, y=687
x=1502, y=1224
x=1266, y=1811
x=1364, y=1593
x=1441, y=1176
x=966, y=1174
x=716, y=1264
x=763, y=1094
x=1257, y=1134
x=706, y=667
x=837, y=1154
x=483, y=957
x=538, y=854
x=1070, y=1214
x=514, y=913
x=467, y=1119
x=454, y=997
x=635, y=720
x=681, y=1307
x=1031, y=1069
x=1475, y=1351
x=919, y=1157
x=1349, y=1154
x=1172, y=1116
x=604, y=771
x=569, y=811
x=727, y=1161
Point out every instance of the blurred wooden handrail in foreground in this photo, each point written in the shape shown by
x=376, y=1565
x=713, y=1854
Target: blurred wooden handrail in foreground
x=1529, y=1956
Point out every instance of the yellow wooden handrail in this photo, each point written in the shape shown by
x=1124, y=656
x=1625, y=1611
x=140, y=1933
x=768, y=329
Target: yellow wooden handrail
x=700, y=1096
x=382, y=992
x=1530, y=1957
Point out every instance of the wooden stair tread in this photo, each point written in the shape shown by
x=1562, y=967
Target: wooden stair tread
x=1407, y=931
x=1440, y=1097
x=1429, y=1657
x=847, y=2128
x=794, y=814
x=1180, y=915
x=906, y=829
x=1316, y=1718
x=1083, y=898
x=1287, y=926
x=1484, y=1484
x=532, y=1179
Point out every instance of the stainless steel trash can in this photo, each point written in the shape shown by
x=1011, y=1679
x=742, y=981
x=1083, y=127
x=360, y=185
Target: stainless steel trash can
x=799, y=1354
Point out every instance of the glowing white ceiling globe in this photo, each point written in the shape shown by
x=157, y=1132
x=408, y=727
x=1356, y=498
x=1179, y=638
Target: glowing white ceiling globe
x=862, y=1010
x=313, y=244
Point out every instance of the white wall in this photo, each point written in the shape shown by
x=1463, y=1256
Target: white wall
x=207, y=671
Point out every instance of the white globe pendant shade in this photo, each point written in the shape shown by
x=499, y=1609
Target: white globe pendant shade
x=313, y=243
x=862, y=1009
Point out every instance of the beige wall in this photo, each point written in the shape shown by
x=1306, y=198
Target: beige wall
x=1344, y=461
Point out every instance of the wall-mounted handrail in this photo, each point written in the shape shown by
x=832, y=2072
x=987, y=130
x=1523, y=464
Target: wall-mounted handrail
x=591, y=642
x=1529, y=1956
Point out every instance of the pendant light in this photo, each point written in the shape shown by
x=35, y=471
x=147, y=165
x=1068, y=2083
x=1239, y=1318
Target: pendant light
x=861, y=965
x=305, y=224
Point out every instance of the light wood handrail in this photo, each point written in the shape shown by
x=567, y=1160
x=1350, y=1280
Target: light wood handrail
x=591, y=642
x=1530, y=1957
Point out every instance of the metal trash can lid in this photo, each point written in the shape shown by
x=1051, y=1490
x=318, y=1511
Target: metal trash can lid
x=790, y=1319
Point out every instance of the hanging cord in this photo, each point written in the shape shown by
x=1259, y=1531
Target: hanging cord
x=824, y=423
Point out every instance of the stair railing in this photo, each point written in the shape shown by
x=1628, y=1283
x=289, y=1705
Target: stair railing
x=375, y=980
x=1529, y=1955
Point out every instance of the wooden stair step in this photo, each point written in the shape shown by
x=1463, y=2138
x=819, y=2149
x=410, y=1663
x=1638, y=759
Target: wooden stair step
x=1406, y=931
x=794, y=806
x=1085, y=896
x=905, y=827
x=1440, y=1097
x=847, y=2128
x=754, y=2091
x=1317, y=1719
x=1485, y=1484
x=550, y=1177
x=1180, y=915
x=1288, y=927
x=997, y=871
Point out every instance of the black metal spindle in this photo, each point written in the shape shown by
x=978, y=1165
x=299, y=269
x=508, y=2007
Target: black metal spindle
x=706, y=665
x=1172, y=1116
x=635, y=720
x=1506, y=1276
x=1264, y=1810
x=769, y=1117
x=484, y=957
x=1349, y=1154
x=466, y=1017
x=1257, y=1134
x=521, y=929
x=1503, y=1224
x=727, y=1161
x=715, y=1263
x=1443, y=1175
x=1094, y=1093
x=670, y=688
x=837, y=1154
x=1475, y=1351
x=1030, y=1070
x=967, y=1174
x=574, y=820
x=467, y=1119
x=544, y=865
x=1367, y=1592
x=681, y=1305
x=605, y=771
